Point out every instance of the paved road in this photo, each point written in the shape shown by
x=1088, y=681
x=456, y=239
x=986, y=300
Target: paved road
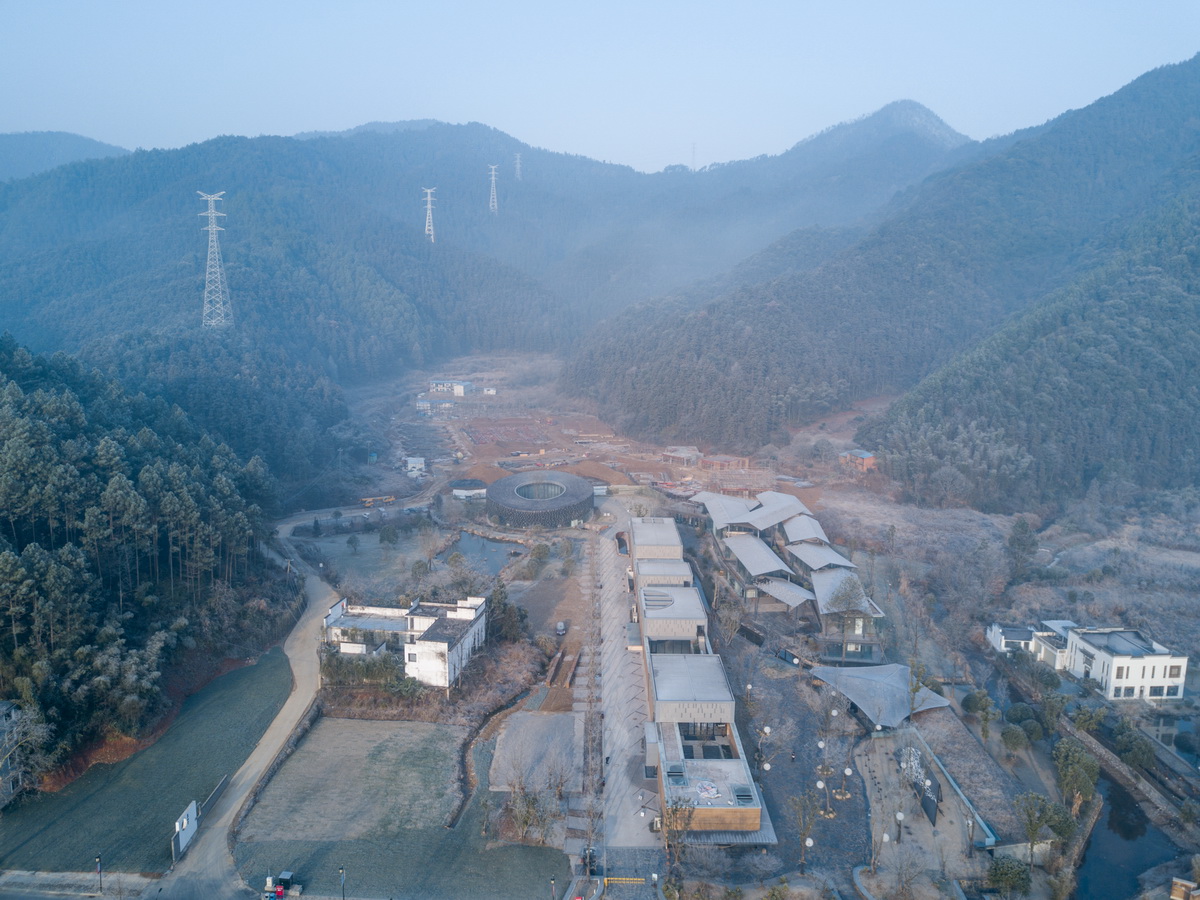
x=207, y=871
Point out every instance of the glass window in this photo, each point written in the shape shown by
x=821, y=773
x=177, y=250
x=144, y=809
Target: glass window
x=1156, y=690
x=1173, y=672
x=1128, y=692
x=412, y=657
x=1120, y=672
x=1172, y=690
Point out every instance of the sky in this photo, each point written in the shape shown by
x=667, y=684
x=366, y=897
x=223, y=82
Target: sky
x=647, y=84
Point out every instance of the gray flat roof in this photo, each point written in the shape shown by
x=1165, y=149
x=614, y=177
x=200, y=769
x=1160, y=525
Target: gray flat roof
x=655, y=531
x=1122, y=641
x=670, y=601
x=370, y=623
x=695, y=678
x=664, y=567
x=447, y=631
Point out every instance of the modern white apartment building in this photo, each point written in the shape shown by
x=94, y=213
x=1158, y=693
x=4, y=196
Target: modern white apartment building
x=1126, y=663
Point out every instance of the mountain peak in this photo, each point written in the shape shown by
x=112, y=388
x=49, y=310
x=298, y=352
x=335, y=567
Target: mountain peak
x=900, y=117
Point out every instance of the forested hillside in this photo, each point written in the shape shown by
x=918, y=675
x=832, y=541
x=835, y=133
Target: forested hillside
x=126, y=538
x=958, y=254
x=1100, y=385
x=30, y=152
x=333, y=280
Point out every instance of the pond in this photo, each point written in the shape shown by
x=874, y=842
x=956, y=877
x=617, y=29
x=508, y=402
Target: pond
x=1123, y=844
x=483, y=554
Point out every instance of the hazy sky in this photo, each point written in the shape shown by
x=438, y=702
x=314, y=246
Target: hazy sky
x=636, y=83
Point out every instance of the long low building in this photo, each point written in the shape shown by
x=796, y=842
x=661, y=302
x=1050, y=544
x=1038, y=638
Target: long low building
x=701, y=762
x=691, y=740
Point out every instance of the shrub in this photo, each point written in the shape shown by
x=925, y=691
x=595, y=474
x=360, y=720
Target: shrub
x=1009, y=874
x=1032, y=729
x=1018, y=713
x=1014, y=738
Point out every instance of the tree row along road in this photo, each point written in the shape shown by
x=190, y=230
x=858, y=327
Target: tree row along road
x=207, y=870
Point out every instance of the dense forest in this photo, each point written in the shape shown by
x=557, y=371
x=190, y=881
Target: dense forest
x=333, y=281
x=126, y=539
x=1099, y=385
x=956, y=256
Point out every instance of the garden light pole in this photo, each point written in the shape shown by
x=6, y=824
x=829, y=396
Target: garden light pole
x=899, y=826
x=553, y=895
x=100, y=872
x=844, y=794
x=808, y=842
x=828, y=811
x=342, y=873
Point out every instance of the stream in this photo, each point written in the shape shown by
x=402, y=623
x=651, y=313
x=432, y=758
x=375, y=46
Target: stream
x=1123, y=844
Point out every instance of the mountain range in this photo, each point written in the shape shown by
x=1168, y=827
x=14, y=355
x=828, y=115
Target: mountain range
x=889, y=255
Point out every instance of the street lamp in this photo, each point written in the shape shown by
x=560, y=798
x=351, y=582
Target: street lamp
x=553, y=895
x=824, y=769
x=808, y=842
x=100, y=872
x=844, y=794
x=342, y=873
x=827, y=812
x=899, y=826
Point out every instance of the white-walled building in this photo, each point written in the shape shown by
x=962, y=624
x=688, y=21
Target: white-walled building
x=12, y=777
x=1126, y=663
x=1006, y=638
x=655, y=537
x=436, y=639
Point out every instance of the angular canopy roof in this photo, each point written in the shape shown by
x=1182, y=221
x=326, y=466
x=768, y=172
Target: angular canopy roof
x=791, y=595
x=804, y=528
x=754, y=555
x=840, y=591
x=818, y=556
x=881, y=692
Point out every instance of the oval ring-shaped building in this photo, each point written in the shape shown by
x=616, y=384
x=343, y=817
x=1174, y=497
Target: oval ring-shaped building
x=546, y=499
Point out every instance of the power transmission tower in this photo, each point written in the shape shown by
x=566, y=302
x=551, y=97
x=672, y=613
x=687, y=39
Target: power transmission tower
x=518, y=167
x=217, y=311
x=429, y=212
x=492, y=202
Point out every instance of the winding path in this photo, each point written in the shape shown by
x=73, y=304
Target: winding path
x=207, y=870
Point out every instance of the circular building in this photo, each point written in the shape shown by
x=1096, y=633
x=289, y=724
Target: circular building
x=548, y=499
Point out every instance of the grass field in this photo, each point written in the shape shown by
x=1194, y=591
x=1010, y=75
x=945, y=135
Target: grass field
x=355, y=778
x=359, y=821
x=126, y=812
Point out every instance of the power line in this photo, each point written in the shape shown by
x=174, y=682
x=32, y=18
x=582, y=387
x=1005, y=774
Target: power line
x=217, y=311
x=429, y=212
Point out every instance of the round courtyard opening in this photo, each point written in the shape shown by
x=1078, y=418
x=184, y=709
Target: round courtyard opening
x=544, y=499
